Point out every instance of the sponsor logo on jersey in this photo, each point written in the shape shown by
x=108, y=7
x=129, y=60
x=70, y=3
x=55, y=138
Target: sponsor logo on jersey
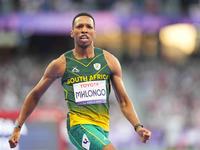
x=75, y=70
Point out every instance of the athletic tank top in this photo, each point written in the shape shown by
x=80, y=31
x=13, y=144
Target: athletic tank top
x=86, y=84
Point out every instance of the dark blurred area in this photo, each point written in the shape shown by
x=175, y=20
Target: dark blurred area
x=157, y=43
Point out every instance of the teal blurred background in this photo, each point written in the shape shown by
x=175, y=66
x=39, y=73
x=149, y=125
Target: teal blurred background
x=157, y=43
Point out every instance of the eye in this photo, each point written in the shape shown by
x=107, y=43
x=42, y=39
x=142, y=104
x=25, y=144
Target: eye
x=89, y=26
x=79, y=26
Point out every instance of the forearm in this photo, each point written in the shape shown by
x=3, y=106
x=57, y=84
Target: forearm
x=30, y=103
x=129, y=112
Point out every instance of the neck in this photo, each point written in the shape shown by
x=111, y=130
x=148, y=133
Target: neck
x=84, y=53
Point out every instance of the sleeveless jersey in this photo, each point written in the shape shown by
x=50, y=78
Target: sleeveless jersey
x=86, y=84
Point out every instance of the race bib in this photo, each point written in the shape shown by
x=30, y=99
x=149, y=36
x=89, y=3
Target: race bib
x=92, y=92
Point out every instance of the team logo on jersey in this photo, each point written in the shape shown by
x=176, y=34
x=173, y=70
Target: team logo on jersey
x=85, y=142
x=75, y=70
x=97, y=66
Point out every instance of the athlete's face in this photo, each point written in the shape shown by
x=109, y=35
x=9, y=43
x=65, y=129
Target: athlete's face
x=83, y=31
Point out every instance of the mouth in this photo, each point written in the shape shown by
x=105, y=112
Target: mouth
x=84, y=37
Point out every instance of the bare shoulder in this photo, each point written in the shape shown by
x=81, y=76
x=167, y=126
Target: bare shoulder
x=112, y=62
x=56, y=68
x=59, y=62
x=110, y=58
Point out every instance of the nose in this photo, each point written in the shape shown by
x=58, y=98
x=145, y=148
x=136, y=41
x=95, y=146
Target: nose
x=84, y=29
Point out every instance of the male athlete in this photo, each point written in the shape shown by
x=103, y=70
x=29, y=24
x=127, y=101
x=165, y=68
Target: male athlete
x=86, y=73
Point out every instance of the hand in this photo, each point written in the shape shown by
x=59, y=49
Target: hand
x=143, y=134
x=13, y=141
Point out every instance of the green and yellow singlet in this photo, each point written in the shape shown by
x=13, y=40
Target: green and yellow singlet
x=86, y=84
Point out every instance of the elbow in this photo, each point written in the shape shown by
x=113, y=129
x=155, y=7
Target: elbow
x=123, y=102
x=34, y=96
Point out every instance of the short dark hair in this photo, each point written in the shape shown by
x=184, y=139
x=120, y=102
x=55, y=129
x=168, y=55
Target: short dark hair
x=82, y=14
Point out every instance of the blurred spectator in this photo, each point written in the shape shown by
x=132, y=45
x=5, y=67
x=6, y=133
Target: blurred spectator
x=148, y=6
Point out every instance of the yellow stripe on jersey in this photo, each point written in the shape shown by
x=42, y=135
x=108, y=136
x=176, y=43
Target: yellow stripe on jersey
x=92, y=134
x=83, y=63
x=76, y=141
x=101, y=69
x=66, y=93
x=73, y=73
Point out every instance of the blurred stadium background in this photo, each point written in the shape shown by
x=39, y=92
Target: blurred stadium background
x=157, y=43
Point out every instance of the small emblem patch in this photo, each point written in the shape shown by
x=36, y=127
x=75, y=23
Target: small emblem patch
x=85, y=142
x=97, y=66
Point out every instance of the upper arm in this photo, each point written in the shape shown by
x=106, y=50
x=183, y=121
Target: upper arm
x=53, y=71
x=116, y=77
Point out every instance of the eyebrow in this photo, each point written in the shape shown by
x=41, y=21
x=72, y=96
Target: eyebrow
x=91, y=24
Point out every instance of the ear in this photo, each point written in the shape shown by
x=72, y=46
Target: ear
x=72, y=33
